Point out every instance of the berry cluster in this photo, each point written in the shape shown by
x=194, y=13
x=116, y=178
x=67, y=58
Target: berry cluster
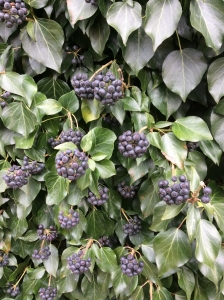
x=191, y=146
x=110, y=120
x=105, y=241
x=78, y=265
x=4, y=259
x=48, y=293
x=130, y=266
x=32, y=167
x=132, y=145
x=82, y=86
x=68, y=221
x=175, y=194
x=107, y=89
x=5, y=95
x=205, y=198
x=42, y=253
x=104, y=196
x=78, y=58
x=16, y=177
x=93, y=2
x=47, y=234
x=133, y=226
x=12, y=12
x=71, y=164
x=12, y=290
x=67, y=136
x=125, y=190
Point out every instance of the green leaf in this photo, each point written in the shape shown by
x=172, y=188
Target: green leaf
x=138, y=294
x=57, y=187
x=172, y=211
x=183, y=70
x=80, y=10
x=173, y=149
x=107, y=261
x=124, y=18
x=217, y=126
x=70, y=102
x=138, y=50
x=47, y=46
x=150, y=271
x=130, y=104
x=53, y=87
x=18, y=227
x=212, y=150
x=219, y=214
x=113, y=205
x=5, y=32
x=91, y=110
x=95, y=224
x=208, y=243
x=157, y=223
x=215, y=79
x=213, y=274
x=120, y=281
x=22, y=85
x=36, y=3
x=161, y=19
x=172, y=250
x=219, y=107
x=162, y=294
x=147, y=249
x=193, y=218
x=192, y=129
x=186, y=281
x=49, y=106
x=17, y=117
x=25, y=142
x=137, y=171
x=51, y=264
x=99, y=33
x=164, y=100
x=91, y=289
x=202, y=12
x=66, y=146
x=101, y=140
x=7, y=59
x=149, y=198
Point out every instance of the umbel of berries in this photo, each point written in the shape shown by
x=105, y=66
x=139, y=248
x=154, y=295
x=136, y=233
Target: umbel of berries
x=191, y=146
x=71, y=164
x=68, y=220
x=48, y=293
x=16, y=177
x=47, y=234
x=107, y=89
x=12, y=290
x=132, y=145
x=104, y=196
x=125, y=190
x=130, y=265
x=4, y=259
x=67, y=136
x=82, y=86
x=176, y=193
x=205, y=198
x=133, y=227
x=12, y=12
x=32, y=167
x=42, y=253
x=77, y=264
x=4, y=96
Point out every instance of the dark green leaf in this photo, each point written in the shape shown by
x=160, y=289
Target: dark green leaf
x=80, y=10
x=52, y=87
x=157, y=223
x=57, y=187
x=162, y=294
x=95, y=224
x=186, y=281
x=172, y=211
x=69, y=101
x=193, y=218
x=107, y=261
x=212, y=150
x=106, y=168
x=215, y=79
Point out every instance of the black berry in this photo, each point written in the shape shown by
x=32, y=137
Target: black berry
x=125, y=190
x=133, y=227
x=68, y=220
x=130, y=265
x=104, y=196
x=77, y=264
x=48, y=293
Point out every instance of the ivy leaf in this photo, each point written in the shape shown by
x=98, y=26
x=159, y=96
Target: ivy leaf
x=47, y=46
x=149, y=198
x=91, y=110
x=124, y=18
x=106, y=168
x=164, y=100
x=162, y=18
x=99, y=33
x=193, y=218
x=202, y=12
x=182, y=71
x=173, y=149
x=79, y=10
x=57, y=187
x=217, y=127
x=172, y=211
x=219, y=214
x=70, y=101
x=191, y=129
x=172, y=250
x=208, y=243
x=51, y=264
x=138, y=50
x=186, y=281
x=212, y=150
x=215, y=79
x=52, y=87
x=50, y=106
x=95, y=224
x=162, y=294
x=17, y=117
x=22, y=85
x=107, y=261
x=36, y=3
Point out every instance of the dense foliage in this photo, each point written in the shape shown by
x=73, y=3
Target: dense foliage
x=111, y=149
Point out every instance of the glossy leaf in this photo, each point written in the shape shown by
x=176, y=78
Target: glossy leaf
x=212, y=150
x=57, y=187
x=124, y=18
x=215, y=79
x=183, y=70
x=161, y=19
x=79, y=10
x=193, y=218
x=186, y=281
x=52, y=87
x=51, y=264
x=107, y=261
x=50, y=106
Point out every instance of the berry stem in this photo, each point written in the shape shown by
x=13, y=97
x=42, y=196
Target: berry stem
x=99, y=70
x=24, y=272
x=150, y=290
x=49, y=282
x=52, y=118
x=70, y=119
x=76, y=122
x=124, y=214
x=182, y=223
x=178, y=38
x=143, y=128
x=173, y=170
